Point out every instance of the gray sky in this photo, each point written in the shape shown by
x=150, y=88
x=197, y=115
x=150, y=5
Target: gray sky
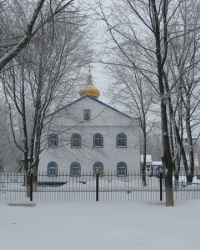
x=100, y=77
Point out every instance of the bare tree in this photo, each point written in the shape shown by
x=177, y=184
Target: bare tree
x=129, y=90
x=183, y=67
x=141, y=31
x=21, y=20
x=42, y=77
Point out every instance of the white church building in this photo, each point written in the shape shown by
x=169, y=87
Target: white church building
x=88, y=135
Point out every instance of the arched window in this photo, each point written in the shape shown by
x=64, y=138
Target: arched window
x=121, y=141
x=76, y=141
x=121, y=169
x=52, y=169
x=98, y=168
x=53, y=140
x=75, y=169
x=98, y=141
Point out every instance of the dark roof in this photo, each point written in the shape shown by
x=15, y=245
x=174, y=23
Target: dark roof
x=94, y=99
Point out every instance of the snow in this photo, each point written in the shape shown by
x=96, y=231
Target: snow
x=100, y=226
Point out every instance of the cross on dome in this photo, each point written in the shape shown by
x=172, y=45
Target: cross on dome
x=89, y=88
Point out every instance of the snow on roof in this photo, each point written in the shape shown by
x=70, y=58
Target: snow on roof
x=157, y=163
x=148, y=158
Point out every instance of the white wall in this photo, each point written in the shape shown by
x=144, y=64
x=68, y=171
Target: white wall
x=104, y=120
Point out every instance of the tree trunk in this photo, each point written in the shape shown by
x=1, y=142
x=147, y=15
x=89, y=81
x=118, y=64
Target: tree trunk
x=167, y=159
x=161, y=53
x=190, y=151
x=169, y=196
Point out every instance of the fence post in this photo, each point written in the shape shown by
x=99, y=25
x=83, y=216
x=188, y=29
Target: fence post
x=31, y=185
x=97, y=186
x=161, y=177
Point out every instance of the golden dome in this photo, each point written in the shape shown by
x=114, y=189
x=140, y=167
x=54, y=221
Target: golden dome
x=89, y=88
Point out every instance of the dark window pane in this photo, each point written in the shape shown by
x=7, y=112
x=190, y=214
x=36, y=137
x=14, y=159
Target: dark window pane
x=76, y=141
x=86, y=115
x=121, y=169
x=53, y=140
x=121, y=140
x=75, y=169
x=98, y=140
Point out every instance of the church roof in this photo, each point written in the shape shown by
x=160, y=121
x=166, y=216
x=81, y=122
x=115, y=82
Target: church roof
x=95, y=100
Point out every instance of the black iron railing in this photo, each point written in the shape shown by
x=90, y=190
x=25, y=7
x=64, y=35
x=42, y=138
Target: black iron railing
x=18, y=187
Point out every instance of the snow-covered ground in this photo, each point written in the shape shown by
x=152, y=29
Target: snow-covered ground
x=100, y=226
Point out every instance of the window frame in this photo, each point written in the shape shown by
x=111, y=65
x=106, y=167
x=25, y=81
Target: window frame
x=71, y=169
x=55, y=139
x=120, y=139
x=95, y=167
x=72, y=141
x=125, y=167
x=94, y=140
x=86, y=114
x=49, y=169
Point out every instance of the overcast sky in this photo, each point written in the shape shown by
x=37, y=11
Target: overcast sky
x=100, y=77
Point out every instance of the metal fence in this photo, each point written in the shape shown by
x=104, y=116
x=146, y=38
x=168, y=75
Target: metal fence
x=87, y=187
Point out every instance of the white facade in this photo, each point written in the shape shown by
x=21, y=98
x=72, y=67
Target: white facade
x=103, y=120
